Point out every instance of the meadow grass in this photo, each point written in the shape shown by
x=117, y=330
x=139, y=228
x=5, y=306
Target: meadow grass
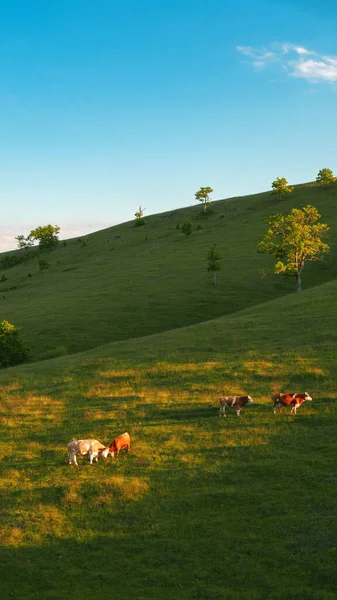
x=202, y=507
x=121, y=285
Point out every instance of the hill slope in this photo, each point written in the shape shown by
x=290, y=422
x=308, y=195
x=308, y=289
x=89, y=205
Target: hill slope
x=202, y=507
x=122, y=285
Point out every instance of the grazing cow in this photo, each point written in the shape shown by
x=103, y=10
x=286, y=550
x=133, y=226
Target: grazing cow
x=288, y=399
x=236, y=402
x=82, y=447
x=119, y=443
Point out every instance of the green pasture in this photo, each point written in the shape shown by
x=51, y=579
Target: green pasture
x=202, y=507
x=128, y=282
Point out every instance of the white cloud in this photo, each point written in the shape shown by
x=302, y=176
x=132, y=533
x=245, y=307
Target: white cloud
x=259, y=56
x=295, y=61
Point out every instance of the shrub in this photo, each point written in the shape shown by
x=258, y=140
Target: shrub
x=3, y=278
x=43, y=264
x=12, y=349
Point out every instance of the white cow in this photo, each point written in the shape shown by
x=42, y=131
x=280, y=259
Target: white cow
x=82, y=447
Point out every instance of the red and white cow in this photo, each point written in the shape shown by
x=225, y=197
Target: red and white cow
x=82, y=447
x=121, y=442
x=288, y=399
x=236, y=402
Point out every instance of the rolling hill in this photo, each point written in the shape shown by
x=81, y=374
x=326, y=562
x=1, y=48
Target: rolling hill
x=121, y=285
x=202, y=508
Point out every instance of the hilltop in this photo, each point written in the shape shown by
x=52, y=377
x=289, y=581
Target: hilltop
x=127, y=282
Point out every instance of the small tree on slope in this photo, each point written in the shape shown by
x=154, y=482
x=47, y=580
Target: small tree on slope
x=280, y=186
x=294, y=239
x=187, y=227
x=213, y=259
x=325, y=177
x=203, y=196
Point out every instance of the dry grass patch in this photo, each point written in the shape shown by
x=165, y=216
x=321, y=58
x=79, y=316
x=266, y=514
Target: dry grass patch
x=128, y=488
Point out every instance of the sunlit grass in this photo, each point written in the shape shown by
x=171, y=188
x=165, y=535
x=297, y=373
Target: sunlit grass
x=158, y=521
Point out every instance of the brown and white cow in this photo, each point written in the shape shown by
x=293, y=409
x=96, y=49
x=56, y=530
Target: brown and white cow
x=236, y=402
x=121, y=442
x=288, y=399
x=82, y=447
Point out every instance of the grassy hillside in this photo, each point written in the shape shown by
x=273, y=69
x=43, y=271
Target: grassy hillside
x=202, y=508
x=122, y=285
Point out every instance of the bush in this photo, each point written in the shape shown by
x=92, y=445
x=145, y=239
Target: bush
x=43, y=264
x=12, y=349
x=3, y=278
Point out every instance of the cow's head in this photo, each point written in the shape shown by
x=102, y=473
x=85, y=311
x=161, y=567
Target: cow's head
x=307, y=397
x=104, y=452
x=250, y=400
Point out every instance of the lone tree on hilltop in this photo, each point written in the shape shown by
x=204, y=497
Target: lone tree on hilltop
x=187, y=228
x=139, y=216
x=325, y=177
x=280, y=186
x=299, y=239
x=213, y=259
x=203, y=196
x=12, y=349
x=46, y=235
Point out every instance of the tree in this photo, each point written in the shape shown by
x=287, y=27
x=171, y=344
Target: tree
x=213, y=259
x=299, y=238
x=203, y=196
x=325, y=177
x=187, y=228
x=24, y=243
x=12, y=349
x=280, y=186
x=139, y=216
x=46, y=235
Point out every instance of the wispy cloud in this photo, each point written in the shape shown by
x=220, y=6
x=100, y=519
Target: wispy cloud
x=296, y=61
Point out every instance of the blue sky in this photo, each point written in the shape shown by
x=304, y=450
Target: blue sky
x=108, y=105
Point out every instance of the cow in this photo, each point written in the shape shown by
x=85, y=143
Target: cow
x=236, y=402
x=82, y=447
x=121, y=442
x=289, y=399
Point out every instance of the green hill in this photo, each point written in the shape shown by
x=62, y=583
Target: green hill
x=121, y=286
x=202, y=507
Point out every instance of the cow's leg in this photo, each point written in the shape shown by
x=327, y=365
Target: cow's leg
x=238, y=411
x=74, y=460
x=91, y=456
x=223, y=410
x=294, y=409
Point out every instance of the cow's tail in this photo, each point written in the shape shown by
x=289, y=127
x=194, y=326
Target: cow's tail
x=215, y=402
x=275, y=398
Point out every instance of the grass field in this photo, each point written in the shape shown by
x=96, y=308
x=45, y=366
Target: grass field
x=120, y=286
x=202, y=507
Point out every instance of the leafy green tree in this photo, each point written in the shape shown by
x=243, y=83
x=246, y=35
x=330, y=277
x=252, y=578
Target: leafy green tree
x=280, y=186
x=24, y=243
x=46, y=235
x=186, y=228
x=213, y=259
x=325, y=177
x=12, y=349
x=203, y=196
x=139, y=216
x=295, y=239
